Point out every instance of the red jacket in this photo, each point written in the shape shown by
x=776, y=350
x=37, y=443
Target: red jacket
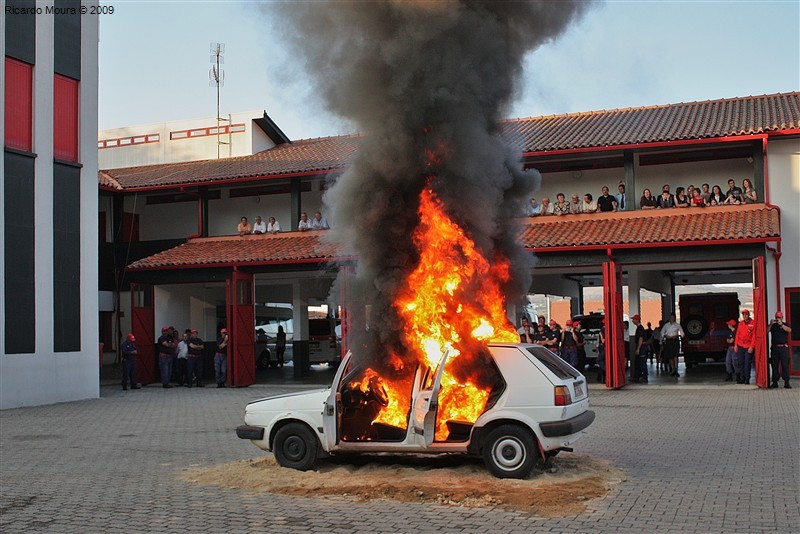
x=745, y=334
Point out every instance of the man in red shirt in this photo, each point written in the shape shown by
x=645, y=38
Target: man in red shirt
x=745, y=346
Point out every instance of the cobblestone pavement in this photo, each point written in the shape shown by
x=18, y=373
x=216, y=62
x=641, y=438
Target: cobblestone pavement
x=698, y=459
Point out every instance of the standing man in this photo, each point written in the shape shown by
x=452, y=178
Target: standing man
x=319, y=222
x=181, y=377
x=129, y=352
x=622, y=199
x=576, y=326
x=731, y=367
x=304, y=224
x=525, y=331
x=779, y=352
x=639, y=371
x=195, y=362
x=670, y=335
x=260, y=227
x=606, y=202
x=221, y=358
x=166, y=349
x=745, y=345
x=569, y=345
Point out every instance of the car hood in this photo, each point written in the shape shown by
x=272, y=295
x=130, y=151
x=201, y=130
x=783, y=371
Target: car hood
x=303, y=400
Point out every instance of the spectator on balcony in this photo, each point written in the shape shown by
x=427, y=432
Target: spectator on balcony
x=259, y=227
x=588, y=205
x=304, y=224
x=648, y=201
x=533, y=208
x=717, y=197
x=750, y=196
x=273, y=227
x=319, y=222
x=547, y=208
x=690, y=192
x=576, y=205
x=734, y=194
x=562, y=206
x=697, y=199
x=621, y=198
x=605, y=202
x=244, y=227
x=681, y=200
x=666, y=200
x=706, y=192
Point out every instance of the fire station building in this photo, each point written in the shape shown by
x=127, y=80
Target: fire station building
x=170, y=253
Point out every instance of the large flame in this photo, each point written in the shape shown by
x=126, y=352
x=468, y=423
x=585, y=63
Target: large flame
x=452, y=302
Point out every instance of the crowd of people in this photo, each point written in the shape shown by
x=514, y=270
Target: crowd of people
x=272, y=226
x=662, y=345
x=180, y=359
x=689, y=197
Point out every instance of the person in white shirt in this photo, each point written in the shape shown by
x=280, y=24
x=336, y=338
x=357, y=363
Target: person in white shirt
x=259, y=227
x=304, y=224
x=319, y=222
x=273, y=226
x=181, y=376
x=671, y=334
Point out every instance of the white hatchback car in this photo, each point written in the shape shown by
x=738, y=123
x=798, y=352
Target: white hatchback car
x=538, y=408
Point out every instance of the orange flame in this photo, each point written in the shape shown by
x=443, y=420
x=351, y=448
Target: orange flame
x=452, y=301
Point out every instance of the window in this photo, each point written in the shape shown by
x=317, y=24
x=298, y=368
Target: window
x=18, y=104
x=65, y=118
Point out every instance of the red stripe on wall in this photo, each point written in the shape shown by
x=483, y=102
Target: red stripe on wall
x=18, y=122
x=65, y=118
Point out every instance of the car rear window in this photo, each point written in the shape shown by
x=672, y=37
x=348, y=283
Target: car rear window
x=319, y=327
x=556, y=365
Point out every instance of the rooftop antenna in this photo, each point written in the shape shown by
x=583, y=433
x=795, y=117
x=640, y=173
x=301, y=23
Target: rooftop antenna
x=216, y=78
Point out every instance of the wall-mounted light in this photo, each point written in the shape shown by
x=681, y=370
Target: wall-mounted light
x=577, y=174
x=750, y=159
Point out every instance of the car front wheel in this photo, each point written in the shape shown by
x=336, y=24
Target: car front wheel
x=296, y=447
x=509, y=452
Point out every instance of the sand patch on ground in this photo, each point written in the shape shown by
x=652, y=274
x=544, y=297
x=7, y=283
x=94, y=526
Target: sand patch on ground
x=562, y=487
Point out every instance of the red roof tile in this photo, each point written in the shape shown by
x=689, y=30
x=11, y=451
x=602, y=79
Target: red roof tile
x=290, y=247
x=696, y=120
x=307, y=156
x=756, y=222
x=656, y=226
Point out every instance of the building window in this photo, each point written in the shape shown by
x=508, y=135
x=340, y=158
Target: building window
x=18, y=105
x=65, y=118
x=19, y=289
x=66, y=258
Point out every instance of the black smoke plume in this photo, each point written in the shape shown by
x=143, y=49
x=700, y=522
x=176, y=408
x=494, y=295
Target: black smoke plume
x=426, y=82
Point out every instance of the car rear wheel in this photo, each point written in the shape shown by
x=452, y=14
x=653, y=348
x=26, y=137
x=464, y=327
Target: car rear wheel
x=296, y=447
x=509, y=452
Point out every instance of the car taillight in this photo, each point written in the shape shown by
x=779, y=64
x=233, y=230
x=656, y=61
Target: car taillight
x=563, y=398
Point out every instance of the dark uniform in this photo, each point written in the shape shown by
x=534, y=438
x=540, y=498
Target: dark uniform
x=129, y=352
x=195, y=361
x=779, y=351
x=221, y=359
x=166, y=350
x=639, y=370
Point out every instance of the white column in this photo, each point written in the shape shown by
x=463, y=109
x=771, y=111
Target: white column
x=299, y=310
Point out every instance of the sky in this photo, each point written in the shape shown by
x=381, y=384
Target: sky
x=155, y=57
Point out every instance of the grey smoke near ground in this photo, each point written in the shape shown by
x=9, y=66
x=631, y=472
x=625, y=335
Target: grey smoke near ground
x=420, y=77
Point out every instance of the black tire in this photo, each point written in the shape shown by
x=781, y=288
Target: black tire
x=695, y=327
x=509, y=452
x=296, y=447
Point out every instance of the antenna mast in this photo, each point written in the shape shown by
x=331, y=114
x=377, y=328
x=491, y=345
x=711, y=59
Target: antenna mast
x=216, y=77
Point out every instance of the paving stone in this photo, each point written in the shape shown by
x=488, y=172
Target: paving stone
x=697, y=460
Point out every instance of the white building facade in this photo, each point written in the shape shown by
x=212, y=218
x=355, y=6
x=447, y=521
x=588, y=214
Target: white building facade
x=48, y=203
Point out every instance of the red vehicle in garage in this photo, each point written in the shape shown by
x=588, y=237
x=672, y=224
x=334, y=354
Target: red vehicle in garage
x=703, y=318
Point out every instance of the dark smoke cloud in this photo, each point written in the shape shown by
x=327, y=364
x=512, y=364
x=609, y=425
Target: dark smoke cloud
x=418, y=77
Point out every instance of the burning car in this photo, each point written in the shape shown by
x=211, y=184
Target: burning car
x=535, y=405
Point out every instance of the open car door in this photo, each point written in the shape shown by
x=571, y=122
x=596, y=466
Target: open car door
x=332, y=411
x=426, y=404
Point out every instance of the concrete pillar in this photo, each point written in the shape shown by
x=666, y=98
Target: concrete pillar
x=300, y=320
x=634, y=293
